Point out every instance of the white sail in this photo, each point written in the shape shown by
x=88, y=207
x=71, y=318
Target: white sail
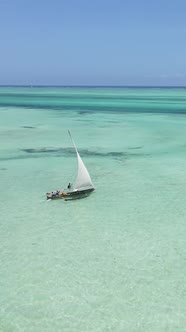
x=83, y=179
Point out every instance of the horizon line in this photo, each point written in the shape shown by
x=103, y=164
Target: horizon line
x=91, y=86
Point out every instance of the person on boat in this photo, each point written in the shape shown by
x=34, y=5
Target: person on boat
x=69, y=185
x=63, y=194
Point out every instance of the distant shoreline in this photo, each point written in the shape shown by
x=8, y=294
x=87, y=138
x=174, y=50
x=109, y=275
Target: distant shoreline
x=96, y=86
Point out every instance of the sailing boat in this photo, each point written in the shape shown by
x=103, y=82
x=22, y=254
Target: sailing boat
x=83, y=186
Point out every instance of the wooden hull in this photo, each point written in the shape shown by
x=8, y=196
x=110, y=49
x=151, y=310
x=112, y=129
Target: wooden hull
x=71, y=195
x=79, y=194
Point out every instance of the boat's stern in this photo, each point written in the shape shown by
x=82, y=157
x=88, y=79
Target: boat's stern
x=55, y=194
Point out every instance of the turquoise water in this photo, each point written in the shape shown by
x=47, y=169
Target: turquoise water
x=115, y=261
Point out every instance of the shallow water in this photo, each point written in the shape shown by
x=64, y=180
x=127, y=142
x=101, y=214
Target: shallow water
x=116, y=260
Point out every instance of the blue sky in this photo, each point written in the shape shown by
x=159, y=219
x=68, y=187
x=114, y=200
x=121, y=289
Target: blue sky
x=93, y=42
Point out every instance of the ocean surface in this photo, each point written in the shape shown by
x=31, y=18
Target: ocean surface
x=115, y=261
